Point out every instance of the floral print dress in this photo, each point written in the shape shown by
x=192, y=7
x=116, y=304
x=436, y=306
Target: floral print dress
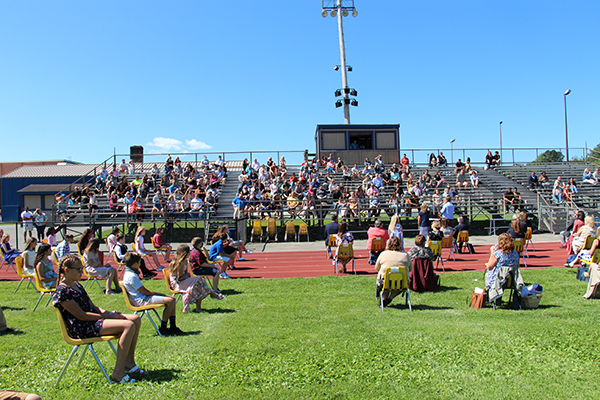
x=193, y=288
x=77, y=329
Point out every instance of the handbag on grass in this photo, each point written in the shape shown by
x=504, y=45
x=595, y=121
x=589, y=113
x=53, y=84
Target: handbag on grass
x=477, y=298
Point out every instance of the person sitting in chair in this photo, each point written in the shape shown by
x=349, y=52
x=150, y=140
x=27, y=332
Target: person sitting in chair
x=372, y=233
x=393, y=256
x=502, y=256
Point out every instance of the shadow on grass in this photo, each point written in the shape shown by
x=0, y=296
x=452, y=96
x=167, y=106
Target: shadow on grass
x=160, y=375
x=218, y=310
x=13, y=308
x=447, y=288
x=190, y=333
x=230, y=292
x=12, y=331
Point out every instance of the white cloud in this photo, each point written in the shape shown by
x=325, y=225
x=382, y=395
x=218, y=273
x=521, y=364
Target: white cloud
x=166, y=143
x=195, y=145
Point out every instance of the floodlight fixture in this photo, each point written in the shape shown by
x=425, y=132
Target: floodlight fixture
x=345, y=13
x=354, y=102
x=324, y=13
x=336, y=68
x=353, y=92
x=334, y=13
x=349, y=68
x=338, y=93
x=355, y=13
x=338, y=104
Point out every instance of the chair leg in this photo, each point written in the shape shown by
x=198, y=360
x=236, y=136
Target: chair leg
x=19, y=285
x=99, y=363
x=151, y=320
x=98, y=283
x=354, y=266
x=408, y=300
x=381, y=299
x=38, y=301
x=62, y=371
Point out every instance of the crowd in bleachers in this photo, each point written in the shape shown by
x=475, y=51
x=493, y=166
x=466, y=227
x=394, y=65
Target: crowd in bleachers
x=329, y=185
x=173, y=191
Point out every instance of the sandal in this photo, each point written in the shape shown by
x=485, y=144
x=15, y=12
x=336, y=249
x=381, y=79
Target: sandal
x=136, y=370
x=126, y=379
x=218, y=296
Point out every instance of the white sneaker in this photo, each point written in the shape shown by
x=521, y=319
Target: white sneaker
x=227, y=275
x=223, y=275
x=248, y=252
x=241, y=259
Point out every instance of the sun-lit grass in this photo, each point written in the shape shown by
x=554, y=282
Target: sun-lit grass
x=326, y=338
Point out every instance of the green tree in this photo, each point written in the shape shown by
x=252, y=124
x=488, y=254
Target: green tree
x=550, y=156
x=594, y=155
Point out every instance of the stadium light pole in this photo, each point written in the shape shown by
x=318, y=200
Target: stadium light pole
x=452, y=151
x=501, y=141
x=566, y=129
x=336, y=9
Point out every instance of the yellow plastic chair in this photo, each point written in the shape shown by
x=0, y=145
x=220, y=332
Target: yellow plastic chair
x=41, y=290
x=92, y=278
x=463, y=238
x=256, y=230
x=519, y=246
x=303, y=230
x=175, y=293
x=19, y=263
x=290, y=230
x=271, y=228
x=120, y=264
x=215, y=263
x=448, y=244
x=331, y=242
x=6, y=262
x=395, y=279
x=345, y=252
x=88, y=343
x=378, y=244
x=142, y=309
x=55, y=257
x=589, y=242
x=528, y=237
x=436, y=248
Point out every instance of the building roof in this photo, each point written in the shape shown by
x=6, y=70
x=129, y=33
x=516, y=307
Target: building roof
x=49, y=188
x=44, y=171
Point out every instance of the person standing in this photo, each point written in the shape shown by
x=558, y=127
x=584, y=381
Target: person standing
x=331, y=229
x=40, y=219
x=27, y=218
x=424, y=221
x=448, y=211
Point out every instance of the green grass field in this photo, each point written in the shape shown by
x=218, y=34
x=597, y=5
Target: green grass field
x=326, y=338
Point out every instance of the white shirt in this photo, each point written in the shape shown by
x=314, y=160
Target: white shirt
x=27, y=216
x=132, y=284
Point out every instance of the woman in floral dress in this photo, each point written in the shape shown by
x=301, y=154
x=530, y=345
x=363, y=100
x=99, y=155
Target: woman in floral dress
x=194, y=289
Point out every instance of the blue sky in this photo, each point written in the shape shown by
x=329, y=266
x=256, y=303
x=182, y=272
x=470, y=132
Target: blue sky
x=79, y=78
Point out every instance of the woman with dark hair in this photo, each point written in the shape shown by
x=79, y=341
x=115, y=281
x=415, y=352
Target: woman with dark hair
x=84, y=240
x=51, y=235
x=419, y=250
x=84, y=320
x=393, y=256
x=515, y=228
x=43, y=266
x=577, y=224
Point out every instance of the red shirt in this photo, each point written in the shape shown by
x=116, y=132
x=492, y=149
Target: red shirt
x=157, y=240
x=196, y=259
x=404, y=160
x=377, y=232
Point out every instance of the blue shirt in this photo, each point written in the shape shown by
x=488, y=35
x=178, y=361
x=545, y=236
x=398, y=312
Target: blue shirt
x=215, y=250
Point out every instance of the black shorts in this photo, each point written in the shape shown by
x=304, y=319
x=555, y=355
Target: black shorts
x=206, y=271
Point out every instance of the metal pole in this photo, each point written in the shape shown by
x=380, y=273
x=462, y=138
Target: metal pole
x=343, y=64
x=566, y=129
x=501, y=158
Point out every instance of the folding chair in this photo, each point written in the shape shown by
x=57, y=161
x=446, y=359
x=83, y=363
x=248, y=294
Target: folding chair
x=143, y=309
x=88, y=343
x=345, y=252
x=89, y=277
x=303, y=230
x=6, y=262
x=436, y=248
x=19, y=263
x=395, y=279
x=290, y=229
x=463, y=239
x=120, y=264
x=519, y=246
x=256, y=230
x=215, y=263
x=510, y=285
x=528, y=237
x=175, y=293
x=55, y=257
x=589, y=242
x=271, y=228
x=448, y=244
x=41, y=290
x=331, y=242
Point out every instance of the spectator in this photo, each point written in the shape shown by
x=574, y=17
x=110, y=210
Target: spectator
x=44, y=268
x=331, y=229
x=200, y=265
x=395, y=230
x=474, y=178
x=120, y=249
x=580, y=236
x=448, y=211
x=588, y=177
x=432, y=160
x=28, y=255
x=544, y=181
x=572, y=227
x=404, y=160
x=460, y=166
x=515, y=228
x=51, y=235
x=142, y=251
x=462, y=226
x=217, y=254
x=496, y=159
x=94, y=267
x=83, y=319
x=508, y=200
x=489, y=160
x=160, y=245
x=9, y=253
x=27, y=218
x=40, y=219
x=461, y=178
x=111, y=240
x=419, y=250
x=596, y=175
x=343, y=236
x=517, y=201
x=373, y=232
x=423, y=221
x=63, y=249
x=502, y=255
x=533, y=181
x=84, y=240
x=139, y=296
x=442, y=162
x=393, y=256
x=436, y=234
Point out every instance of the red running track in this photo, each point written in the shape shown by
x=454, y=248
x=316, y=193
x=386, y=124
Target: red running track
x=314, y=263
